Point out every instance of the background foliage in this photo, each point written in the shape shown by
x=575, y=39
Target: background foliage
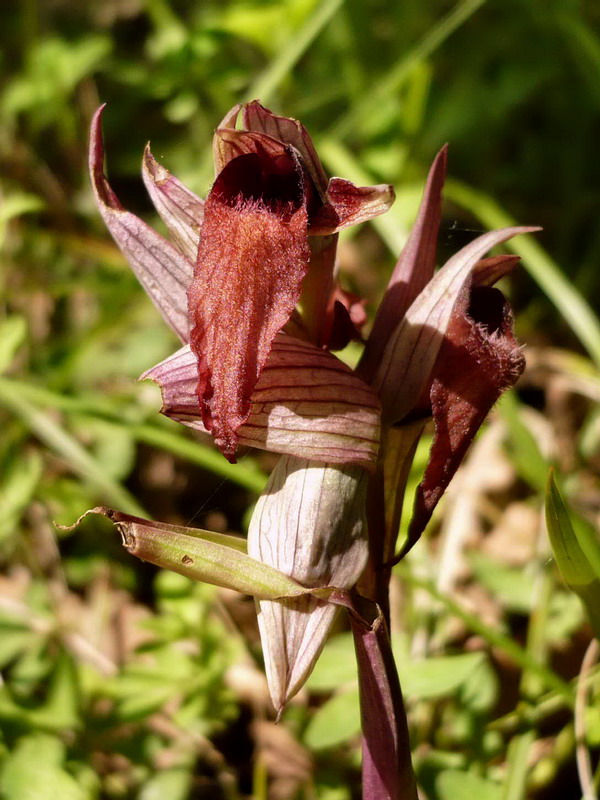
x=123, y=682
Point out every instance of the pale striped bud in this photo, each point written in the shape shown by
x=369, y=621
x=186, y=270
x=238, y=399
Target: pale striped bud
x=310, y=524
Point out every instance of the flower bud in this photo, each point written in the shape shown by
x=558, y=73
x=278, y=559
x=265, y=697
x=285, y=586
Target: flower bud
x=310, y=524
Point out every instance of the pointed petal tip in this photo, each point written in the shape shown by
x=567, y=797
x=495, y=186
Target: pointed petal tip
x=162, y=269
x=527, y=228
x=152, y=168
x=348, y=204
x=105, y=197
x=97, y=115
x=180, y=209
x=96, y=128
x=441, y=156
x=438, y=169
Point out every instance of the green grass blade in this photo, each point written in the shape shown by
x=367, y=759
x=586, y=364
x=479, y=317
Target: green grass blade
x=389, y=85
x=524, y=450
x=246, y=473
x=243, y=474
x=495, y=637
x=266, y=83
x=67, y=447
x=576, y=551
x=517, y=767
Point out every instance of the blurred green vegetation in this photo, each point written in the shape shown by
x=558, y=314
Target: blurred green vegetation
x=120, y=681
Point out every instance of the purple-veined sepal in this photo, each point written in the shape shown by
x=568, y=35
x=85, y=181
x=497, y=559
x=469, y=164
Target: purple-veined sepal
x=306, y=403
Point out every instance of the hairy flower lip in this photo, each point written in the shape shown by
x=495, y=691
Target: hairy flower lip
x=478, y=360
x=338, y=203
x=414, y=343
x=252, y=259
x=273, y=163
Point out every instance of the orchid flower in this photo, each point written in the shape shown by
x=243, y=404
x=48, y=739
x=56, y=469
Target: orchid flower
x=248, y=283
x=255, y=369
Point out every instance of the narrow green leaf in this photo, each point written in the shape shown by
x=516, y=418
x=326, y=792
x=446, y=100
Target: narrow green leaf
x=525, y=453
x=389, y=84
x=518, y=767
x=292, y=50
x=12, y=336
x=64, y=445
x=576, y=551
x=204, y=556
x=17, y=488
x=570, y=558
x=62, y=704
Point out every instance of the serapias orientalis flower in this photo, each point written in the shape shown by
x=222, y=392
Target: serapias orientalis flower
x=248, y=283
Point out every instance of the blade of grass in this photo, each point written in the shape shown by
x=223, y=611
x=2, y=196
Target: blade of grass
x=524, y=450
x=388, y=85
x=584, y=45
x=517, y=766
x=68, y=448
x=292, y=50
x=582, y=753
x=575, y=310
x=517, y=771
x=494, y=637
x=576, y=552
x=246, y=473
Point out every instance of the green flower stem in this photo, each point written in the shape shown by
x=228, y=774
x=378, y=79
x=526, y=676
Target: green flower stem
x=515, y=782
